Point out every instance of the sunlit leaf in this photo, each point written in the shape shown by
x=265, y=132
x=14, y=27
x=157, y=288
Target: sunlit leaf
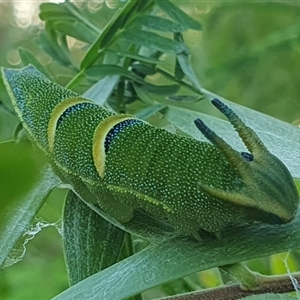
x=108, y=33
x=66, y=12
x=53, y=11
x=101, y=90
x=75, y=29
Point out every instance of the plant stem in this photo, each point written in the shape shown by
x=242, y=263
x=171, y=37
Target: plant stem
x=265, y=284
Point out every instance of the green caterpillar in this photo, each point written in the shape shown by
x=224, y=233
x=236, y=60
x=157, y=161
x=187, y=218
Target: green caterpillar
x=145, y=179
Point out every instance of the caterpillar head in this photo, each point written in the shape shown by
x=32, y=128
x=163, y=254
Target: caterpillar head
x=267, y=189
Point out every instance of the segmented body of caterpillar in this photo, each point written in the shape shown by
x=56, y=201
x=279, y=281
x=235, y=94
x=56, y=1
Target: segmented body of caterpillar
x=148, y=179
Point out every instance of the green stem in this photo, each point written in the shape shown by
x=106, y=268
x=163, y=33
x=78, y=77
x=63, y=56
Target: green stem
x=76, y=79
x=265, y=284
x=120, y=106
x=241, y=274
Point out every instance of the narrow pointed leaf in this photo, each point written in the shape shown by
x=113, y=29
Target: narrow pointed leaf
x=101, y=90
x=151, y=266
x=152, y=41
x=110, y=70
x=48, y=42
x=22, y=207
x=161, y=89
x=184, y=63
x=66, y=11
x=29, y=58
x=137, y=57
x=91, y=243
x=142, y=93
x=178, y=15
x=53, y=11
x=108, y=33
x=183, y=98
x=143, y=70
x=149, y=111
x=4, y=98
x=160, y=24
x=75, y=29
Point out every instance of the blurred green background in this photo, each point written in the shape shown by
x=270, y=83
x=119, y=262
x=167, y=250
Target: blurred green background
x=248, y=52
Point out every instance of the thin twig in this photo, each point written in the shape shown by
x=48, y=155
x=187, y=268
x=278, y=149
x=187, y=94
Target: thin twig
x=272, y=284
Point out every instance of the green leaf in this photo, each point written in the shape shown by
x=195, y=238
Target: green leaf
x=35, y=180
x=53, y=11
x=142, y=93
x=4, y=98
x=101, y=90
x=161, y=89
x=75, y=29
x=91, y=243
x=160, y=24
x=153, y=41
x=108, y=33
x=48, y=42
x=137, y=57
x=178, y=72
x=143, y=70
x=110, y=70
x=67, y=11
x=178, y=15
x=149, y=111
x=183, y=98
x=151, y=266
x=28, y=58
x=8, y=123
x=184, y=63
x=145, y=89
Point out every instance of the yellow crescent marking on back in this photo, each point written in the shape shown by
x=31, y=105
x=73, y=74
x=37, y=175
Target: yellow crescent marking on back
x=99, y=139
x=59, y=109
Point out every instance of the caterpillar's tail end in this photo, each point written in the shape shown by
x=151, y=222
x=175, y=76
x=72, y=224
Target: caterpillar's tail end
x=226, y=111
x=268, y=185
x=199, y=124
x=207, y=132
x=217, y=103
